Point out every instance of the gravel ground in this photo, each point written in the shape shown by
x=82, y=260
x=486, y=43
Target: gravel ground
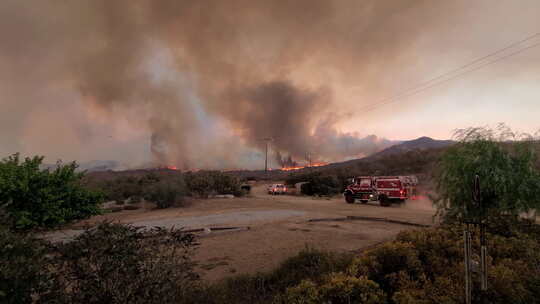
x=279, y=227
x=193, y=222
x=236, y=218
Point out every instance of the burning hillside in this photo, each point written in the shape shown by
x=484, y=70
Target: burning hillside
x=319, y=164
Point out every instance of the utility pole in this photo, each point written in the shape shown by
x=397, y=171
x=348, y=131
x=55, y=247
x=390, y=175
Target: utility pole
x=309, y=160
x=267, y=140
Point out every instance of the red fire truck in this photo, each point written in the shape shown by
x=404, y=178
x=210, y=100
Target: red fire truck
x=385, y=189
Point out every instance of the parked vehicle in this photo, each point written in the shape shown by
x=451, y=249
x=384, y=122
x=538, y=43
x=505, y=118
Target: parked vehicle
x=385, y=189
x=277, y=189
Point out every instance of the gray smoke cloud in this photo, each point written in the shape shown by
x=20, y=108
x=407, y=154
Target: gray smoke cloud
x=208, y=80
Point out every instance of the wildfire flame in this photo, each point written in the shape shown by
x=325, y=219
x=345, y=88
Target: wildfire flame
x=302, y=167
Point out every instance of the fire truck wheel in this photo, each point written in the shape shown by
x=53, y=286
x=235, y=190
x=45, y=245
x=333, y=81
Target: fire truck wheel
x=384, y=201
x=349, y=198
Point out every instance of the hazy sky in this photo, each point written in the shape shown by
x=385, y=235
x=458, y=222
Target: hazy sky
x=200, y=83
x=506, y=91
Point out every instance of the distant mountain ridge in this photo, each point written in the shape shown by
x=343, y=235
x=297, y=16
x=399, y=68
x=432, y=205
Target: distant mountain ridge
x=421, y=143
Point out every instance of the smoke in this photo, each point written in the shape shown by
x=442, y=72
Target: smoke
x=208, y=81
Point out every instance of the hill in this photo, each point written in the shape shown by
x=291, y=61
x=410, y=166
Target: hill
x=408, y=157
x=406, y=148
x=422, y=143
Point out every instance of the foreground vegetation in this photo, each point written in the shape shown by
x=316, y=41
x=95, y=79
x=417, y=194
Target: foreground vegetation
x=111, y=263
x=121, y=264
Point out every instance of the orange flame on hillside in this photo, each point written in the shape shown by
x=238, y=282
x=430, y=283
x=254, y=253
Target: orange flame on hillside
x=302, y=167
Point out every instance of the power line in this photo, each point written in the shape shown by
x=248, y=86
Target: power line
x=394, y=99
x=482, y=58
x=435, y=81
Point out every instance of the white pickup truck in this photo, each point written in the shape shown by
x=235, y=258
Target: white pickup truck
x=277, y=189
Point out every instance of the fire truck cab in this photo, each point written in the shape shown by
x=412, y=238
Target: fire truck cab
x=361, y=188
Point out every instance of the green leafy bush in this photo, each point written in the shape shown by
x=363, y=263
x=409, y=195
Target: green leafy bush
x=34, y=197
x=115, y=263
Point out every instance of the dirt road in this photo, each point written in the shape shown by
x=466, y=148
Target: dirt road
x=279, y=227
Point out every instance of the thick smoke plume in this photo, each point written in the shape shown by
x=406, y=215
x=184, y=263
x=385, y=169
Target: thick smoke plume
x=209, y=80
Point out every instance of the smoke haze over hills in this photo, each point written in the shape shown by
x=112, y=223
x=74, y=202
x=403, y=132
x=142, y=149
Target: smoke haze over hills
x=199, y=84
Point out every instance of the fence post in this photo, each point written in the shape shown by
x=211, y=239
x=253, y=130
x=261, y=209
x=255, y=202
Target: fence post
x=467, y=251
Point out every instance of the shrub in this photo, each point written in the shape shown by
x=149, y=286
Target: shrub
x=120, y=188
x=34, y=197
x=338, y=288
x=306, y=292
x=204, y=183
x=310, y=263
x=23, y=270
x=390, y=263
x=265, y=287
x=114, y=263
x=316, y=183
x=426, y=266
x=167, y=193
x=199, y=184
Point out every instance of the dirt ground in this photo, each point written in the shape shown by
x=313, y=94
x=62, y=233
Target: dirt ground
x=272, y=228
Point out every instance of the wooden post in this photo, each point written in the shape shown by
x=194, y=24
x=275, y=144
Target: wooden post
x=480, y=203
x=468, y=277
x=483, y=258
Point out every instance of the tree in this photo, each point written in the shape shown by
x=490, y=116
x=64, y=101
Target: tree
x=506, y=165
x=33, y=197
